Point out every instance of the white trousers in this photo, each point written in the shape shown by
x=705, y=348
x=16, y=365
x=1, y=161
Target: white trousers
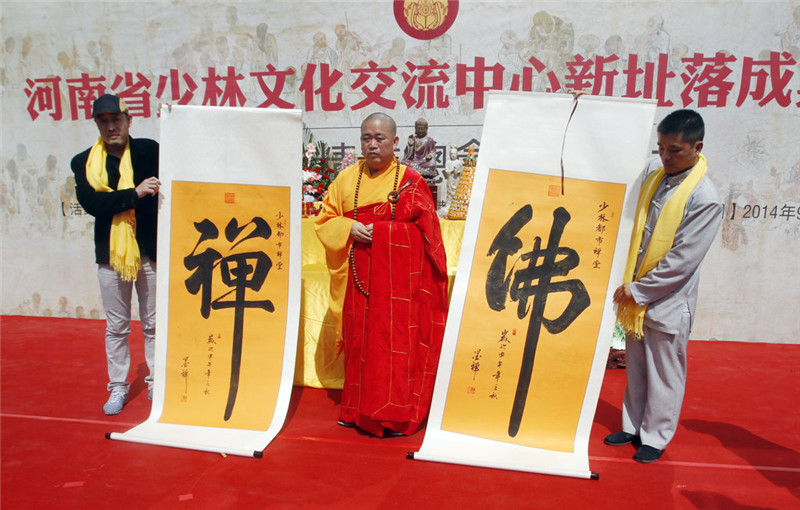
x=656, y=368
x=116, y=294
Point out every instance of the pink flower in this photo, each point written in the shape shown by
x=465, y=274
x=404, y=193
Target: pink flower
x=310, y=176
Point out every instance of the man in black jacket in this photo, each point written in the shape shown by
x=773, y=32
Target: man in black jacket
x=116, y=181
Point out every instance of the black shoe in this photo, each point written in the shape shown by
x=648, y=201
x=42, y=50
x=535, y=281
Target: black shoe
x=391, y=433
x=620, y=438
x=647, y=454
x=346, y=424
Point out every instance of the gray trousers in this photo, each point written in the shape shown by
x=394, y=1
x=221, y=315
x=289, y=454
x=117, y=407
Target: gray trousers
x=656, y=368
x=116, y=294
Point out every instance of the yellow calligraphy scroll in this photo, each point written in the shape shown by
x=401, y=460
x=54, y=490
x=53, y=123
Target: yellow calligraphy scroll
x=489, y=364
x=228, y=302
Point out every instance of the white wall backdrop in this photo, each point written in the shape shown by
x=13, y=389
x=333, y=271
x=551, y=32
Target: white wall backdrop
x=737, y=63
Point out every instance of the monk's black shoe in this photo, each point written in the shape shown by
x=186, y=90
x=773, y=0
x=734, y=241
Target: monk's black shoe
x=392, y=433
x=620, y=438
x=647, y=454
x=347, y=424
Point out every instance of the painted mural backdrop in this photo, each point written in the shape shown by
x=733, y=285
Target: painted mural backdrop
x=738, y=63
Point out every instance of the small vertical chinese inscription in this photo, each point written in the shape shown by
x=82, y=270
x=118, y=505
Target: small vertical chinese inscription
x=604, y=215
x=185, y=375
x=280, y=234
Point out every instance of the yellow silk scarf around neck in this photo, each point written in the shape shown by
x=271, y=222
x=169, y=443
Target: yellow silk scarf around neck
x=630, y=315
x=124, y=255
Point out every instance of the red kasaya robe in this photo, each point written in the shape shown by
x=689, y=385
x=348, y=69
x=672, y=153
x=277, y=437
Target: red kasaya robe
x=392, y=339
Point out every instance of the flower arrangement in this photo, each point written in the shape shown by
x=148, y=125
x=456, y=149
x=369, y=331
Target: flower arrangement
x=318, y=173
x=349, y=159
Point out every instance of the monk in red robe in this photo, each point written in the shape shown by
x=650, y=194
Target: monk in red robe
x=388, y=271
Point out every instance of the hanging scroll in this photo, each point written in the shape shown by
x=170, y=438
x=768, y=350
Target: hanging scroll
x=228, y=279
x=531, y=315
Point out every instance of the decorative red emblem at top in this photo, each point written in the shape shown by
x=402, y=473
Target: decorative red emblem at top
x=425, y=19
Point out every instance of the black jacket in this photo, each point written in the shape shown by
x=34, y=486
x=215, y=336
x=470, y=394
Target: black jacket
x=104, y=205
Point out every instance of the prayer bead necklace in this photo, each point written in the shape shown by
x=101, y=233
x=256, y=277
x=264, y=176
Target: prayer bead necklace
x=392, y=197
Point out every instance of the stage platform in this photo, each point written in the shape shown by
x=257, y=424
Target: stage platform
x=737, y=447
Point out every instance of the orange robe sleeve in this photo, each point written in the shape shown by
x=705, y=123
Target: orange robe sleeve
x=333, y=229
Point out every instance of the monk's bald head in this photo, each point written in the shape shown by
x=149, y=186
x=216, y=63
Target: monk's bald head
x=378, y=141
x=391, y=126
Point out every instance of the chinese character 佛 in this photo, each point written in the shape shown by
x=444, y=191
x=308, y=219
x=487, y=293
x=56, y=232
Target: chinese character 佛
x=535, y=281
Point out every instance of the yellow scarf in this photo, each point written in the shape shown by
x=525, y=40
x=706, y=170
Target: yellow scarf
x=123, y=249
x=630, y=315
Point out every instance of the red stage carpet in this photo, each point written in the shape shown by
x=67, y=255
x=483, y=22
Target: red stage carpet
x=738, y=446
